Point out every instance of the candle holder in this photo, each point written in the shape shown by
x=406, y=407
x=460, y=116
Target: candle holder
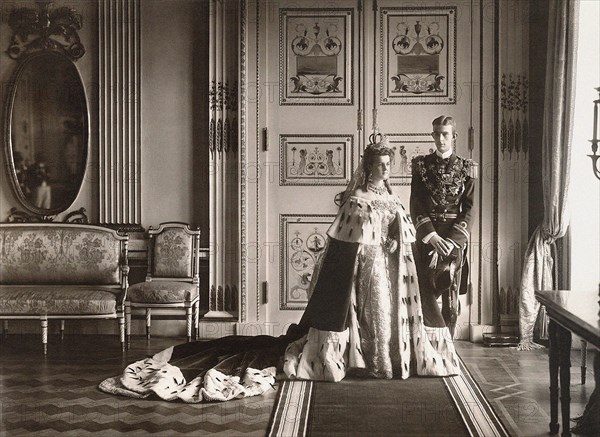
x=595, y=157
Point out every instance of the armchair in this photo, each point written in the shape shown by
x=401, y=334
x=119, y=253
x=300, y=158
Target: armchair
x=172, y=280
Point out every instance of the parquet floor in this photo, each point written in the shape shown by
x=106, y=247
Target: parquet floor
x=516, y=385
x=58, y=394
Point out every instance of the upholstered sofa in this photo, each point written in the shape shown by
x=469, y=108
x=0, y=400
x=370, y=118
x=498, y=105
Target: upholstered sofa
x=62, y=271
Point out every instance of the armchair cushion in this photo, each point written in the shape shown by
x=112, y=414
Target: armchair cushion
x=162, y=292
x=57, y=299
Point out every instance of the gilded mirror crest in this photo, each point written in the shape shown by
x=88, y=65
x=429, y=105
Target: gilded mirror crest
x=46, y=29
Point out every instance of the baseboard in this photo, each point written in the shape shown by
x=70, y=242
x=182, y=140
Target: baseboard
x=274, y=329
x=210, y=329
x=213, y=329
x=476, y=332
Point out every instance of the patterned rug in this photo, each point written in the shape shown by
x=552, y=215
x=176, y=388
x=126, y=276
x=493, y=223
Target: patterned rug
x=452, y=406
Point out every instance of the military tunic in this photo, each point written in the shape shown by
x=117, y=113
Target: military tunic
x=441, y=200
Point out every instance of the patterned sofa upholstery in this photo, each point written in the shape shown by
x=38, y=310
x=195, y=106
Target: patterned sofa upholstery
x=62, y=271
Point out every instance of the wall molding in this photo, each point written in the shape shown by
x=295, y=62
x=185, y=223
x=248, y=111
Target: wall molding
x=223, y=72
x=119, y=112
x=243, y=130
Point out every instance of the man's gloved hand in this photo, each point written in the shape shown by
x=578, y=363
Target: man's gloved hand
x=442, y=246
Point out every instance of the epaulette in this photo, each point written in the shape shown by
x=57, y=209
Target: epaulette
x=417, y=159
x=473, y=168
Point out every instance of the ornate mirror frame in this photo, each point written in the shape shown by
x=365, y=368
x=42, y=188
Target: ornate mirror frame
x=51, y=34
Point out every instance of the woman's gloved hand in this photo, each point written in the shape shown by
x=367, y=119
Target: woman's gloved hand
x=391, y=245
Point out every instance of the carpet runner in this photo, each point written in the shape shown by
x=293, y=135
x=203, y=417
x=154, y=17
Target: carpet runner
x=290, y=413
x=452, y=406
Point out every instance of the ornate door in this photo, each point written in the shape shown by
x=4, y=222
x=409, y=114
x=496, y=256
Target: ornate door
x=324, y=78
x=312, y=57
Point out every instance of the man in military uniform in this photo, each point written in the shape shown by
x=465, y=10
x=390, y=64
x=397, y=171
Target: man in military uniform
x=441, y=200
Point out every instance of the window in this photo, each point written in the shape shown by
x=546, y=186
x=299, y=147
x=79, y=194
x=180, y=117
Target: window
x=584, y=187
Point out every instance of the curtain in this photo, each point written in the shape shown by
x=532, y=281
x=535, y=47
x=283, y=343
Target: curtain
x=559, y=96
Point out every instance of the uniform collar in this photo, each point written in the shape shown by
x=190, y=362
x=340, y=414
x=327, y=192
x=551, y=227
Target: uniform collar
x=444, y=155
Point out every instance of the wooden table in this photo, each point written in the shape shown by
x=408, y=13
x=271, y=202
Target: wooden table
x=575, y=312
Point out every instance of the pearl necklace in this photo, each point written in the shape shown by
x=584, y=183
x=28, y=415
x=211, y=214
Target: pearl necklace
x=381, y=190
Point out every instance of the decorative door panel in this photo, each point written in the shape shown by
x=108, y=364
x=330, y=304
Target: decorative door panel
x=315, y=56
x=425, y=58
x=417, y=55
x=315, y=159
x=311, y=54
x=305, y=241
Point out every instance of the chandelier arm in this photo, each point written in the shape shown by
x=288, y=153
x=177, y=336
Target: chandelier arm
x=596, y=165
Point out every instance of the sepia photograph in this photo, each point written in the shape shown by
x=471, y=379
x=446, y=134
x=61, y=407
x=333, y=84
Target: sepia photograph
x=291, y=218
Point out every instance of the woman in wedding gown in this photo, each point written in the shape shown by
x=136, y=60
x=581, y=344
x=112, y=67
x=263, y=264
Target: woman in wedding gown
x=363, y=318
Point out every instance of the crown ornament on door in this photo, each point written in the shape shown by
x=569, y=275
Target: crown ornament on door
x=46, y=29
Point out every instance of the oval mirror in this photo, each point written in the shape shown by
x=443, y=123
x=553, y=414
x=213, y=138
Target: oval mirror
x=47, y=133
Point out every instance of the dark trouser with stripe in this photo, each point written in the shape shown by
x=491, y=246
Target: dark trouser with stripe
x=432, y=315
